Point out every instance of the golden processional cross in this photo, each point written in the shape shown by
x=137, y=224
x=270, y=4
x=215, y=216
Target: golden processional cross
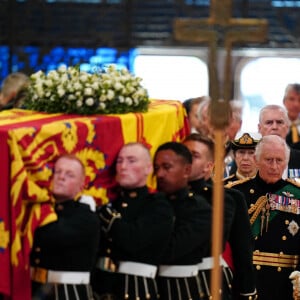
x=219, y=28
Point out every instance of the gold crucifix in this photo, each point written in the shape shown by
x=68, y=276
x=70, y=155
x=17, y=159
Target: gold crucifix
x=219, y=28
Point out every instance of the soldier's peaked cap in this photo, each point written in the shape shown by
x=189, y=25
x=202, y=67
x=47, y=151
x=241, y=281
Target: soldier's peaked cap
x=246, y=141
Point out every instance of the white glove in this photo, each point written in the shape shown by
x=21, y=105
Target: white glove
x=295, y=277
x=88, y=200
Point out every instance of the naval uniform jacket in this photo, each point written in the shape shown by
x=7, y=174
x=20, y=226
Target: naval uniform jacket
x=237, y=232
x=190, y=240
x=278, y=234
x=140, y=235
x=234, y=177
x=68, y=244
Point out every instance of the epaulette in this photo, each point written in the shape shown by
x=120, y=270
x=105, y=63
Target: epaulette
x=236, y=182
x=228, y=177
x=293, y=182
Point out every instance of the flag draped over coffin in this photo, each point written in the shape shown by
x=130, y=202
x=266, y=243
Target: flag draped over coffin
x=31, y=141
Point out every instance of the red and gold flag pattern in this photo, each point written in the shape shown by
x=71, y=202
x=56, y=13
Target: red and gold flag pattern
x=30, y=143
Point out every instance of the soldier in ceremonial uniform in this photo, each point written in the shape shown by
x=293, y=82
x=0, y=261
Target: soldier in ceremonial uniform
x=136, y=228
x=274, y=211
x=177, y=275
x=243, y=152
x=237, y=230
x=64, y=251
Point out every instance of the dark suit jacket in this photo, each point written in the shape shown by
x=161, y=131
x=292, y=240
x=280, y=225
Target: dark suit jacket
x=290, y=143
x=294, y=162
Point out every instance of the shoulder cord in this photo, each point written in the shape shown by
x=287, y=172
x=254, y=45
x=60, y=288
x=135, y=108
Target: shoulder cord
x=257, y=208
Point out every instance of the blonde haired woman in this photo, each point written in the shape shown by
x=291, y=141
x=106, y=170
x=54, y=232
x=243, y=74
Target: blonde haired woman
x=13, y=90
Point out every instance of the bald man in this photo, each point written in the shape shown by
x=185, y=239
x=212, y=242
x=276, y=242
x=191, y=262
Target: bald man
x=136, y=228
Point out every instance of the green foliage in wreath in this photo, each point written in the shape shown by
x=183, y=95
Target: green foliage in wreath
x=69, y=90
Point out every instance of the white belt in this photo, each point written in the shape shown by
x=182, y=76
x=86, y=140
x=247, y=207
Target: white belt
x=178, y=271
x=65, y=277
x=137, y=269
x=208, y=263
x=68, y=277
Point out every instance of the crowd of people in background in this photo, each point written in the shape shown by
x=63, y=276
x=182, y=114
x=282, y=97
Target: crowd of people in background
x=157, y=244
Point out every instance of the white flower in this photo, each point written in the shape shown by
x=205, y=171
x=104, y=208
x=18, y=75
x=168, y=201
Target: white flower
x=62, y=68
x=118, y=86
x=71, y=97
x=89, y=101
x=95, y=85
x=39, y=90
x=77, y=86
x=60, y=91
x=102, y=105
x=72, y=71
x=105, y=77
x=140, y=93
x=83, y=77
x=126, y=78
x=110, y=94
x=69, y=88
x=107, y=83
x=129, y=89
x=49, y=82
x=88, y=91
x=64, y=78
x=37, y=75
x=102, y=98
x=128, y=101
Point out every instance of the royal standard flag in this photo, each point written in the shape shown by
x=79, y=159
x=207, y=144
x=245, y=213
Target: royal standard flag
x=31, y=142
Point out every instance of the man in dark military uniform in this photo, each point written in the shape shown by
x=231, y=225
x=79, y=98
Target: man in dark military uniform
x=177, y=276
x=137, y=226
x=237, y=230
x=244, y=163
x=274, y=210
x=64, y=251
